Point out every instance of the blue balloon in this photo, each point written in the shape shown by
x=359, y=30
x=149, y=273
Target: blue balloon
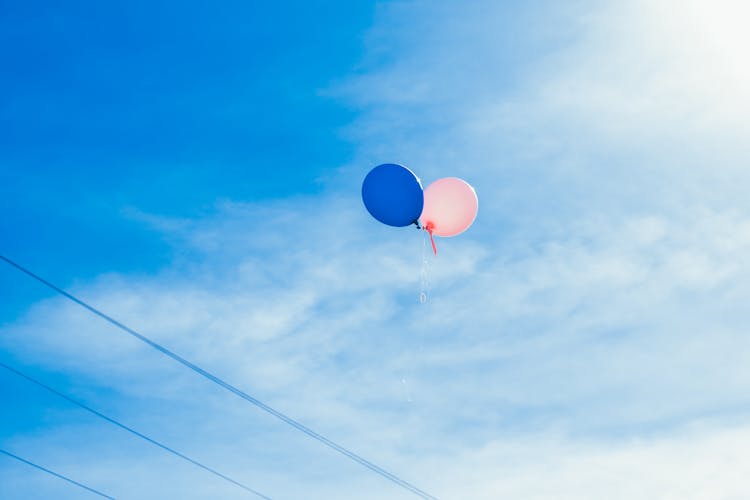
x=393, y=195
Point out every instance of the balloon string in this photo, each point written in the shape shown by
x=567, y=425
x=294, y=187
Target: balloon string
x=424, y=277
x=428, y=228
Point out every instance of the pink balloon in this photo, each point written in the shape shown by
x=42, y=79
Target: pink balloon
x=450, y=207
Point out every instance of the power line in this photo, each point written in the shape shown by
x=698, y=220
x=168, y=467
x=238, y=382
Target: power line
x=132, y=431
x=92, y=490
x=237, y=392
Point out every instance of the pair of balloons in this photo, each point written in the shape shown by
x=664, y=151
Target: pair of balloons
x=394, y=196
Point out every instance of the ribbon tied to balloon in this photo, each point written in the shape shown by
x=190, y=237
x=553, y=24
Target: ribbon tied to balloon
x=394, y=196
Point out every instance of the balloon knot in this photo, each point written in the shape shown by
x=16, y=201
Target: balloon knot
x=429, y=227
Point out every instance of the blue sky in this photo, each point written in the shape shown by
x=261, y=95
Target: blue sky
x=195, y=173
x=166, y=109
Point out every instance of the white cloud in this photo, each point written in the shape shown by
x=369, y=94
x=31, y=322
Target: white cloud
x=694, y=464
